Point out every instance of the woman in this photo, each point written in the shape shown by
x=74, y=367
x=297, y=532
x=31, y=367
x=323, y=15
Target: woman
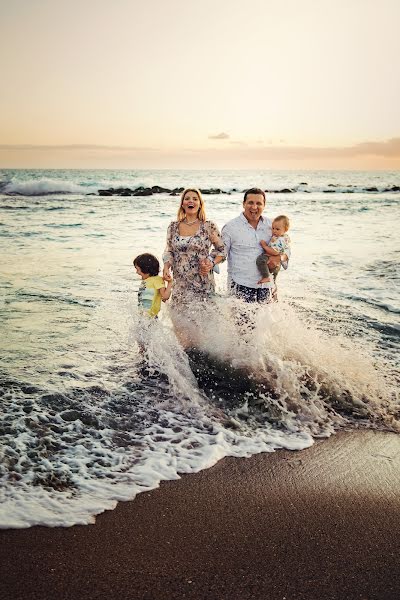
x=190, y=255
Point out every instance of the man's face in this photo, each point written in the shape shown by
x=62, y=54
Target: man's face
x=253, y=207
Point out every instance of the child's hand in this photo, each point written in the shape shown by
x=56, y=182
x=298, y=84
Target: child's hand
x=166, y=273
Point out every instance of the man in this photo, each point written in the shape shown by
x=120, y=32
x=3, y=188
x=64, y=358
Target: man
x=242, y=238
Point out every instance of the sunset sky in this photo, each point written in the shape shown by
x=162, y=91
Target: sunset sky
x=269, y=84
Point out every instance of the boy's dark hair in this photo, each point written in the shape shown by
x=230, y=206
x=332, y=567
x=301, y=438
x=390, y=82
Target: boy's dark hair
x=147, y=263
x=254, y=191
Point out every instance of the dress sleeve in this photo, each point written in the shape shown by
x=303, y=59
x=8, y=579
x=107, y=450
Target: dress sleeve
x=168, y=255
x=216, y=240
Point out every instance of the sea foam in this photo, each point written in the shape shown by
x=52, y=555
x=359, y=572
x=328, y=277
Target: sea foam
x=70, y=456
x=41, y=187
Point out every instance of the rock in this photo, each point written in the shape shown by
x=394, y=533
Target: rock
x=371, y=189
x=156, y=189
x=141, y=191
x=105, y=193
x=211, y=191
x=329, y=191
x=177, y=191
x=303, y=183
x=122, y=191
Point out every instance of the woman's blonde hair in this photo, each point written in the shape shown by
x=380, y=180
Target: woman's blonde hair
x=201, y=213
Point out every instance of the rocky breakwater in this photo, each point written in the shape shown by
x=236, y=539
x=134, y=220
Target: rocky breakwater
x=156, y=189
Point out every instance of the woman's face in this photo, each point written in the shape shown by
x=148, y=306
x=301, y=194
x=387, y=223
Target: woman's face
x=191, y=204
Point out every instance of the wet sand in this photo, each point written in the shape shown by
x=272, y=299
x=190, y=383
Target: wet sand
x=323, y=523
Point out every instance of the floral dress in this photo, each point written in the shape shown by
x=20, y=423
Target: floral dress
x=184, y=254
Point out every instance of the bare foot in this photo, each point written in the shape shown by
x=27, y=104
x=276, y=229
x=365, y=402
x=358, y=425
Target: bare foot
x=265, y=280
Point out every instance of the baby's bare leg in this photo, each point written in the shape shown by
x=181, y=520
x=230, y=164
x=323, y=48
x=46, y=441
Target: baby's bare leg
x=262, y=264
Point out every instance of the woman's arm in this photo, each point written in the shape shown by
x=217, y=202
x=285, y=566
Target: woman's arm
x=219, y=252
x=168, y=256
x=217, y=255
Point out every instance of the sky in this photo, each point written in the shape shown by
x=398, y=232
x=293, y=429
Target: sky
x=246, y=84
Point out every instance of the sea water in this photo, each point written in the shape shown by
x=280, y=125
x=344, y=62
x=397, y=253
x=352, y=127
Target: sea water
x=87, y=419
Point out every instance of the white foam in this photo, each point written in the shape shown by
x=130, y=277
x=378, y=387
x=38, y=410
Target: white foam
x=42, y=187
x=187, y=431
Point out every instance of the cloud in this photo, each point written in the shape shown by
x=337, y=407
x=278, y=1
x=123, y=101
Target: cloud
x=234, y=153
x=381, y=149
x=389, y=148
x=219, y=136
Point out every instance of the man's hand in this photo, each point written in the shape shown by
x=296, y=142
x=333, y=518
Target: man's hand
x=274, y=261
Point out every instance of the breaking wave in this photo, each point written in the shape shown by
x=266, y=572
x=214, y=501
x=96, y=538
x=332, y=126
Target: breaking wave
x=74, y=450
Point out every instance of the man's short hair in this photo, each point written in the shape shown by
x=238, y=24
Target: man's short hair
x=254, y=191
x=148, y=264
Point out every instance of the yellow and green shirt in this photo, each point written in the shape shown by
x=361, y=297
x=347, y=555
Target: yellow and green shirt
x=149, y=296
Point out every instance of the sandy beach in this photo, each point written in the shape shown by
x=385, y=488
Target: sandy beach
x=320, y=523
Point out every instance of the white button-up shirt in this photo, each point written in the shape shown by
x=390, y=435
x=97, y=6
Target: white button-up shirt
x=242, y=243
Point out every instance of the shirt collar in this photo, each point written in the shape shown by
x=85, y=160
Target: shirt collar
x=243, y=218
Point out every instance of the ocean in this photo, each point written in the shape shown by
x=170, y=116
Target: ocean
x=87, y=419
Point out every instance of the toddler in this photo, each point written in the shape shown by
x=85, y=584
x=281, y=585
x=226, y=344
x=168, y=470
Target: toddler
x=278, y=244
x=152, y=289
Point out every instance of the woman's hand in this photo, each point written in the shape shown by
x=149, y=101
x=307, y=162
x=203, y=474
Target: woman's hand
x=166, y=272
x=205, y=266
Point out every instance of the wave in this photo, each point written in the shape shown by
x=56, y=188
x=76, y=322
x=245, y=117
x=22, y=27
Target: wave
x=42, y=297
x=75, y=449
x=40, y=187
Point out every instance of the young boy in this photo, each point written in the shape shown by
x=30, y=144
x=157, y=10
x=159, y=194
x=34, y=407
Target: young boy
x=278, y=244
x=152, y=289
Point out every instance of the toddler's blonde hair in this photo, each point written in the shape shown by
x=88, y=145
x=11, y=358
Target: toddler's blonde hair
x=285, y=220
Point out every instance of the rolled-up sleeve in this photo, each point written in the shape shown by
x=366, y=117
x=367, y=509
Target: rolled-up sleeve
x=226, y=239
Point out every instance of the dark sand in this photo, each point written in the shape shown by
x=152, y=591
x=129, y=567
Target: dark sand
x=322, y=523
